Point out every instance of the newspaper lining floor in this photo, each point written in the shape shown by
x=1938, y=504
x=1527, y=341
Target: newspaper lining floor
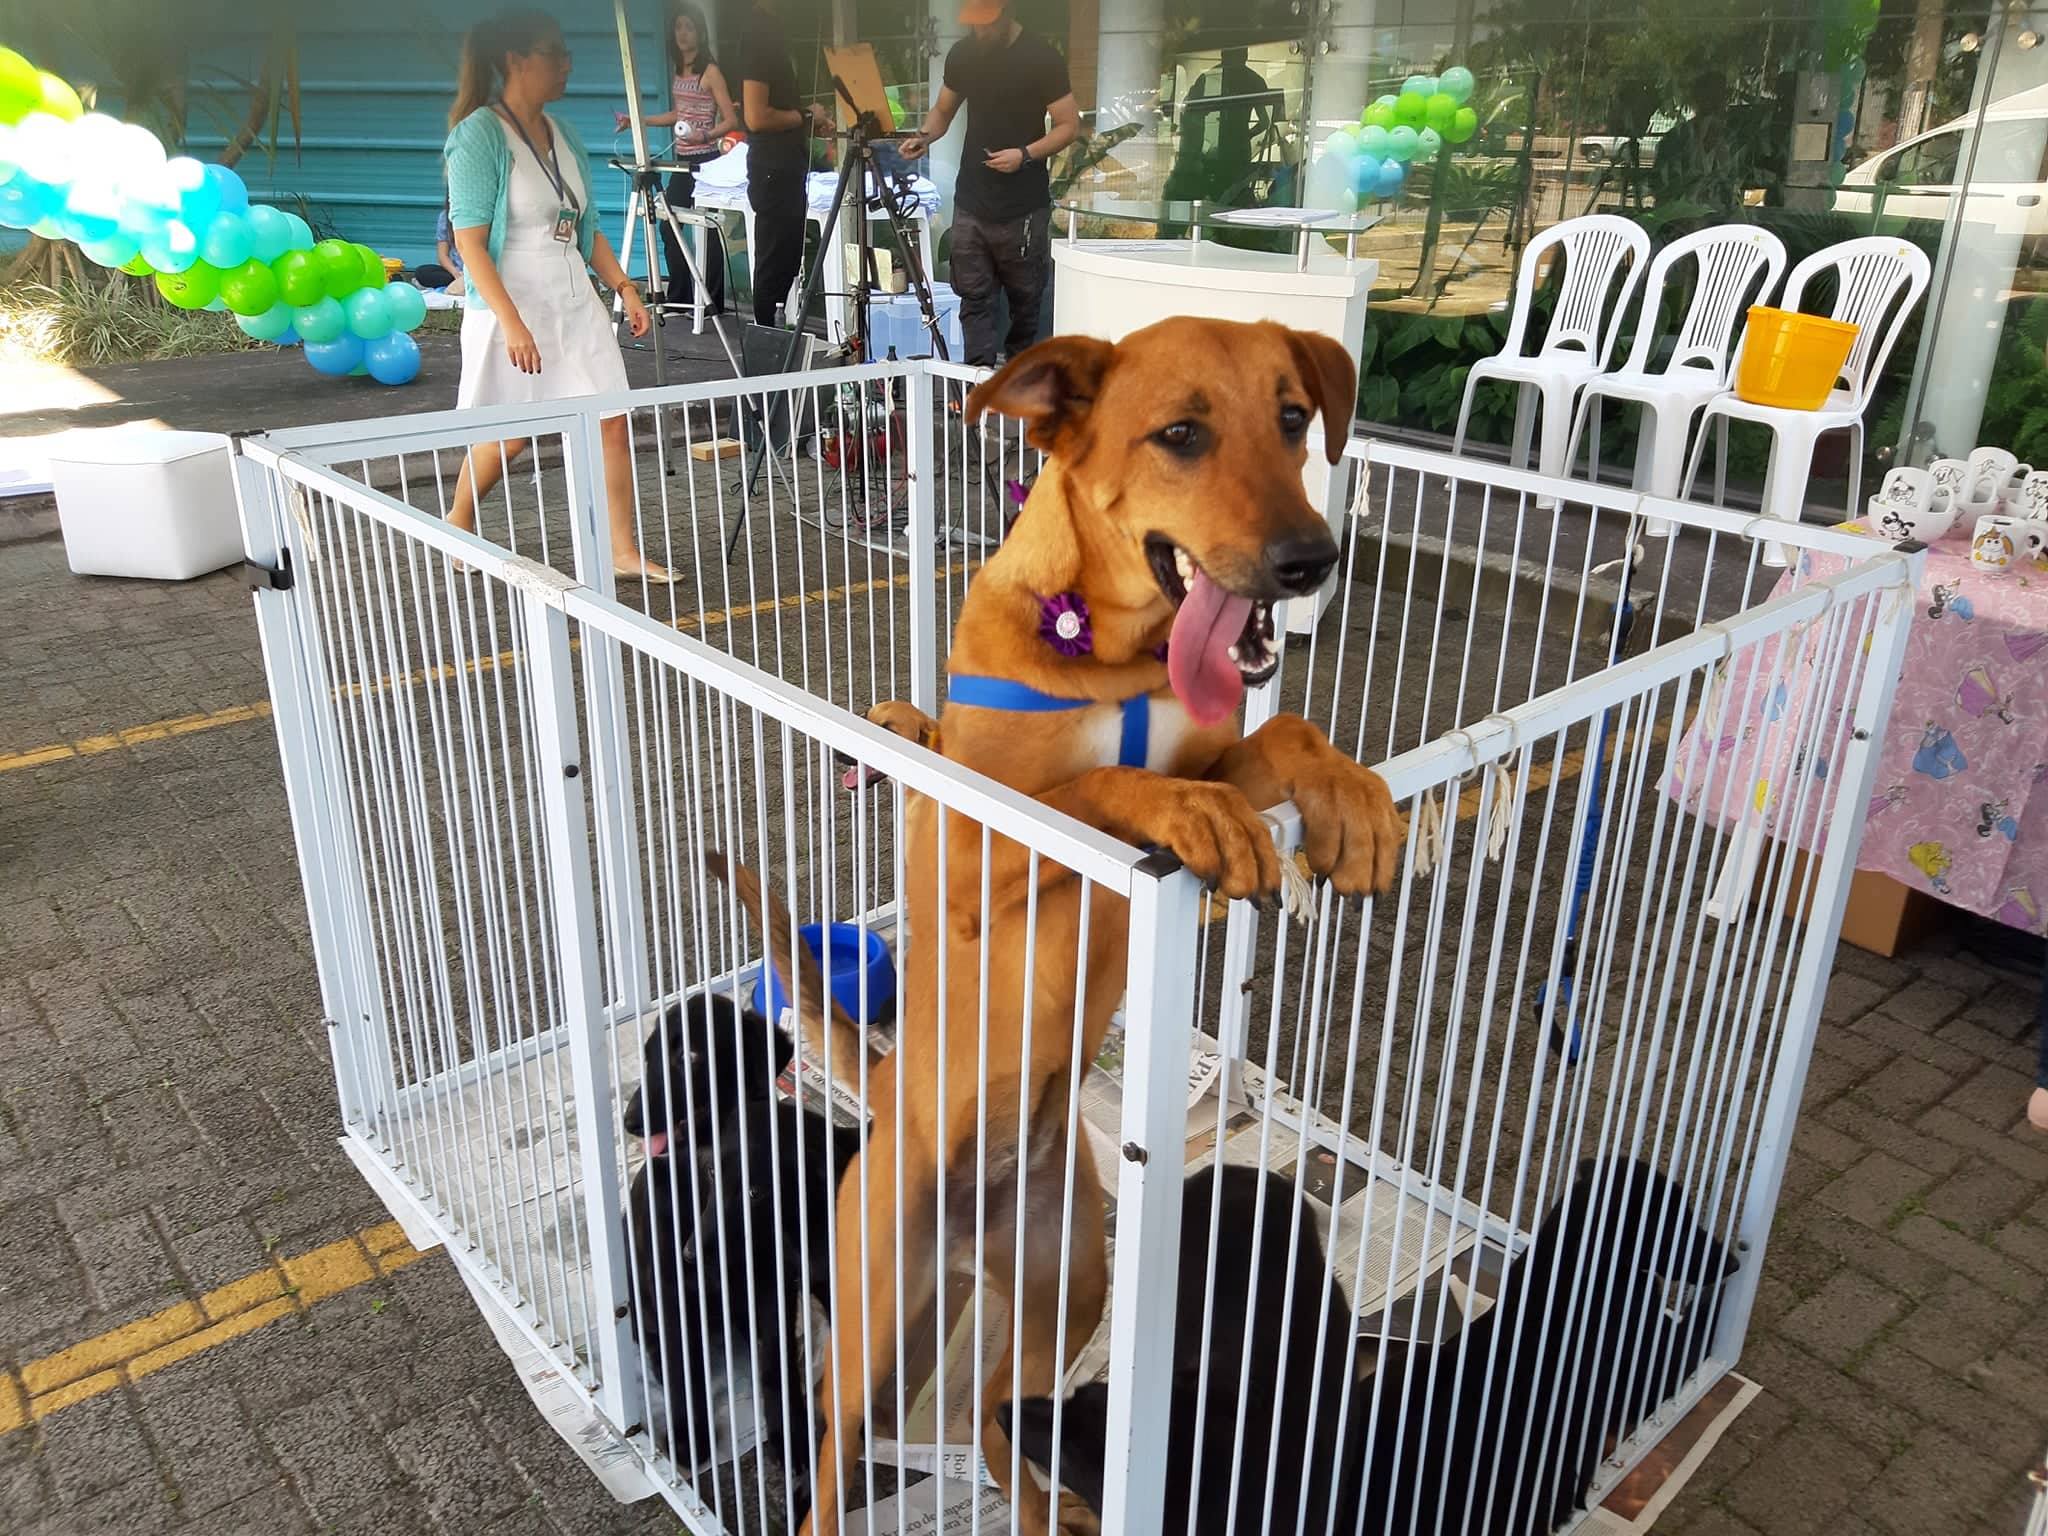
x=514, y=1130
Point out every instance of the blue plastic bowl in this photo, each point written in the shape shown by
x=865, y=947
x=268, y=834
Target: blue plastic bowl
x=846, y=967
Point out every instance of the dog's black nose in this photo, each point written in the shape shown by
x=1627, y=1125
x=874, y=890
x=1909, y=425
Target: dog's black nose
x=1300, y=561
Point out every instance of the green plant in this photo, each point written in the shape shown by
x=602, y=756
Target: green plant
x=1412, y=371
x=117, y=321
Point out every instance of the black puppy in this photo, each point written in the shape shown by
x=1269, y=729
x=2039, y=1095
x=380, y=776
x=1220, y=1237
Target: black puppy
x=1507, y=1423
x=703, y=1061
x=699, y=1062
x=1282, y=1276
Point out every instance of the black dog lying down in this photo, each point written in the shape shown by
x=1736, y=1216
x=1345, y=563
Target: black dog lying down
x=727, y=1228
x=1255, y=1287
x=1504, y=1425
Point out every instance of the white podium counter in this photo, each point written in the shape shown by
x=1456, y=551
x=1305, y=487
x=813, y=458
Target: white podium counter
x=1109, y=288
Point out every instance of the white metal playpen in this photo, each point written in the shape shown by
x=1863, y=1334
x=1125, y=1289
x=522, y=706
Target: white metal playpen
x=1532, y=1107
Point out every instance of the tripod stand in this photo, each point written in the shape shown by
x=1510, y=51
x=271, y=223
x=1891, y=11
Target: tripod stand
x=888, y=189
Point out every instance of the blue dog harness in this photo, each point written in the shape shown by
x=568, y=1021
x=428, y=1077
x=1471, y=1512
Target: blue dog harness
x=1002, y=693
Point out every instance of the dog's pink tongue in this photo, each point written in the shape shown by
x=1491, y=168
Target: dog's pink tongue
x=1205, y=679
x=657, y=1144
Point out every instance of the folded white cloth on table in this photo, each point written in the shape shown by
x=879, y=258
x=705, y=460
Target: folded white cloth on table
x=728, y=171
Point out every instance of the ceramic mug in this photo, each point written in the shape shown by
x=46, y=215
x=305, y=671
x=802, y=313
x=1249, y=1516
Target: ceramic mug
x=1998, y=543
x=2030, y=497
x=1909, y=505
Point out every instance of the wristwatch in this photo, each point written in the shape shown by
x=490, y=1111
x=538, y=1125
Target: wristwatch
x=1025, y=151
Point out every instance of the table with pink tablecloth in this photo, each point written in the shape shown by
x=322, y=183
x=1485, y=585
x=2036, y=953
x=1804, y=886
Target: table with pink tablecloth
x=1957, y=808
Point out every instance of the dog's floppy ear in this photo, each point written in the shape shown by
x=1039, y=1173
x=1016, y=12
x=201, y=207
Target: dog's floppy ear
x=1332, y=380
x=1049, y=387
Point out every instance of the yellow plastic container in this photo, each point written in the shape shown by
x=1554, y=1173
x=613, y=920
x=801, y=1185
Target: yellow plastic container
x=392, y=267
x=1791, y=360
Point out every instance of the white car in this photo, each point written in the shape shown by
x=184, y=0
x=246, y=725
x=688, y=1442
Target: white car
x=1919, y=179
x=1599, y=148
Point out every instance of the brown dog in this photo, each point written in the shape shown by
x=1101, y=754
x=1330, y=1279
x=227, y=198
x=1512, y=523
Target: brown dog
x=1171, y=509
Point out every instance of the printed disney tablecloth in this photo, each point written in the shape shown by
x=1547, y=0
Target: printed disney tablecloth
x=1957, y=807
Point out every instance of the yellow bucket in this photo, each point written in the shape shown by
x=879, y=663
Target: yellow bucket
x=392, y=267
x=1791, y=360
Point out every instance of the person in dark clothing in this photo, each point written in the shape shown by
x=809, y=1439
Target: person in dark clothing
x=1225, y=114
x=778, y=157
x=1002, y=204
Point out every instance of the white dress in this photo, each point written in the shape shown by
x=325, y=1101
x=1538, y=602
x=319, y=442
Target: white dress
x=579, y=354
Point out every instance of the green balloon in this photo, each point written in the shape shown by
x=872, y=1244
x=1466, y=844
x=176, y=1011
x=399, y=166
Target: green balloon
x=194, y=288
x=1464, y=123
x=340, y=267
x=323, y=321
x=373, y=267
x=1380, y=114
x=1439, y=109
x=138, y=266
x=57, y=98
x=21, y=88
x=268, y=325
x=298, y=279
x=250, y=289
x=1411, y=109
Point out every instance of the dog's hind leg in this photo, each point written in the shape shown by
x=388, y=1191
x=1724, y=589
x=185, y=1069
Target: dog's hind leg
x=1033, y=1363
x=866, y=1320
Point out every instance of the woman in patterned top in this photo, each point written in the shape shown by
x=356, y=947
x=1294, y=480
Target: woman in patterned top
x=703, y=114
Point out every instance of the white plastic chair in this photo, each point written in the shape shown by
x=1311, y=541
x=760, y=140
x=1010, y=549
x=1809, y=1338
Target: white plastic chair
x=1596, y=250
x=1879, y=280
x=1737, y=265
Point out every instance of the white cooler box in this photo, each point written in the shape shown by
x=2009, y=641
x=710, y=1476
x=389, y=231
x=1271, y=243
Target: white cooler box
x=143, y=502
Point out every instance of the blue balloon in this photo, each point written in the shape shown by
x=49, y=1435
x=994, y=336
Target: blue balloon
x=393, y=359
x=1373, y=141
x=226, y=243
x=170, y=247
x=335, y=358
x=1845, y=124
x=1456, y=83
x=289, y=338
x=1427, y=144
x=198, y=196
x=1402, y=144
x=272, y=325
x=24, y=201
x=270, y=232
x=1365, y=176
x=1422, y=85
x=1393, y=176
x=228, y=186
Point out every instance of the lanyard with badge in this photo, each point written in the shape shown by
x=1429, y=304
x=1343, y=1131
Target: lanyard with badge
x=571, y=209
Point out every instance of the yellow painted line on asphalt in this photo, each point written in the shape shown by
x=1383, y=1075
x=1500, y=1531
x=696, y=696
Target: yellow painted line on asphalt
x=287, y=1286
x=242, y=714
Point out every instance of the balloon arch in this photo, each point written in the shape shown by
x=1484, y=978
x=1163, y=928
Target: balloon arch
x=110, y=188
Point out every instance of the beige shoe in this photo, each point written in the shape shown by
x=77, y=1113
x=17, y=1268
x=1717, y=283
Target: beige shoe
x=648, y=571
x=2037, y=1110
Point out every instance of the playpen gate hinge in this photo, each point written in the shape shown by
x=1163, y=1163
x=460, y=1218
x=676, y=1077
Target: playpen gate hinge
x=1133, y=1153
x=261, y=577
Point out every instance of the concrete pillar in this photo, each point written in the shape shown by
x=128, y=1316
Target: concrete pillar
x=1981, y=249
x=945, y=160
x=1340, y=62
x=1129, y=58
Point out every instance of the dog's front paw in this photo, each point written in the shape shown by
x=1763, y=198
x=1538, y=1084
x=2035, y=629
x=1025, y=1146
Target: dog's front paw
x=1213, y=830
x=1350, y=831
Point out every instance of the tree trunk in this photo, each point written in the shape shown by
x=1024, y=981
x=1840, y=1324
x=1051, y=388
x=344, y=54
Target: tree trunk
x=1923, y=59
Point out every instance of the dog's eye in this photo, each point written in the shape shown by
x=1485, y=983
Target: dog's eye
x=1181, y=437
x=1293, y=420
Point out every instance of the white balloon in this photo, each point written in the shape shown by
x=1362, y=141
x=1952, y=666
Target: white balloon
x=43, y=148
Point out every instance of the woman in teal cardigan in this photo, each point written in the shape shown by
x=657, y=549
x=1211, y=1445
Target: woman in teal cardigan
x=526, y=225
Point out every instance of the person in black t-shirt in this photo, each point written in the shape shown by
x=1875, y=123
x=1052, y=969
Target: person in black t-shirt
x=1002, y=203
x=778, y=157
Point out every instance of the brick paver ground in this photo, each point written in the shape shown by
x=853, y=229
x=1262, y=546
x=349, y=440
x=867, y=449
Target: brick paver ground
x=167, y=1125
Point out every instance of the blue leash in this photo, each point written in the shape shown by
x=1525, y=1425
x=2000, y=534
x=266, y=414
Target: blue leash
x=1002, y=693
